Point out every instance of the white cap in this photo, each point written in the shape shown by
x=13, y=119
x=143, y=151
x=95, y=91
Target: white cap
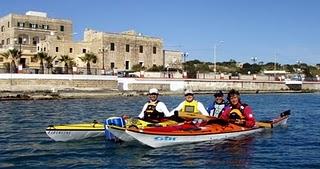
x=188, y=91
x=153, y=90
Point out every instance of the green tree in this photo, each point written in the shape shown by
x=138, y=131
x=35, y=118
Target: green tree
x=137, y=67
x=49, y=61
x=156, y=68
x=88, y=58
x=41, y=56
x=14, y=55
x=66, y=60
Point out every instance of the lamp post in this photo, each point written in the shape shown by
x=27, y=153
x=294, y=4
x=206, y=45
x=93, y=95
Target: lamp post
x=185, y=55
x=215, y=56
x=103, y=50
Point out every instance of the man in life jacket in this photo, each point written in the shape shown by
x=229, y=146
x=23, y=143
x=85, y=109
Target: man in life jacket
x=237, y=112
x=154, y=110
x=218, y=105
x=190, y=105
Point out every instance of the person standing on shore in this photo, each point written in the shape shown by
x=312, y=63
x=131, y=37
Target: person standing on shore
x=218, y=105
x=154, y=110
x=190, y=105
x=238, y=112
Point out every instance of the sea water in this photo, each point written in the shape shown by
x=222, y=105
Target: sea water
x=24, y=143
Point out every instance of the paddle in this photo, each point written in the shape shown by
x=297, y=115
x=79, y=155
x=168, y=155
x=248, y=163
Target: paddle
x=194, y=116
x=269, y=124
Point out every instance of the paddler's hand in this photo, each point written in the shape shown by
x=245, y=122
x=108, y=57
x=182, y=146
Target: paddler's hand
x=238, y=121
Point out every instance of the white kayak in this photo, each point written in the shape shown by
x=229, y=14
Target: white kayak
x=78, y=131
x=189, y=133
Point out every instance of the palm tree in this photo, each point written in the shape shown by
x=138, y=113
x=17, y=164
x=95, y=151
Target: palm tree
x=41, y=56
x=49, y=61
x=14, y=55
x=87, y=58
x=66, y=59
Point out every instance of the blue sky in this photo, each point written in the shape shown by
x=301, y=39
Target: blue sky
x=287, y=29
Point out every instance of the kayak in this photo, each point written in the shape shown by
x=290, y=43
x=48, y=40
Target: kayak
x=119, y=132
x=191, y=133
x=80, y=131
x=68, y=132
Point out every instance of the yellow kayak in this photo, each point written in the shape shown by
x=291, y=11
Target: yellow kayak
x=77, y=131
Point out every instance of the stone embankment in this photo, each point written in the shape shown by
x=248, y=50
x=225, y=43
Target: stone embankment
x=35, y=86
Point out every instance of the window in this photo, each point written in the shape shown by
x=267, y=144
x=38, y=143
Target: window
x=141, y=63
x=84, y=50
x=45, y=27
x=61, y=28
x=127, y=48
x=2, y=42
x=141, y=49
x=70, y=50
x=8, y=24
x=38, y=48
x=112, y=46
x=1, y=59
x=44, y=49
x=127, y=65
x=112, y=65
x=2, y=28
x=20, y=24
x=56, y=62
x=57, y=49
x=154, y=50
x=8, y=41
x=34, y=26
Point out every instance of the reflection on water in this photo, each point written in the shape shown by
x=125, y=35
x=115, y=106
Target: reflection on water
x=24, y=143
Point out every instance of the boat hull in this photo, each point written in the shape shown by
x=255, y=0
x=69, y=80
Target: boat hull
x=75, y=131
x=161, y=140
x=120, y=133
x=169, y=136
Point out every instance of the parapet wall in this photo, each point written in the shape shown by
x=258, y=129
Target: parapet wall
x=38, y=82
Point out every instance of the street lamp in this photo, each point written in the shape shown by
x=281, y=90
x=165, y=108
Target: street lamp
x=254, y=59
x=185, y=55
x=215, y=55
x=102, y=50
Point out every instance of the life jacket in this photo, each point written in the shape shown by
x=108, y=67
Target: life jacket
x=190, y=107
x=151, y=111
x=217, y=110
x=237, y=113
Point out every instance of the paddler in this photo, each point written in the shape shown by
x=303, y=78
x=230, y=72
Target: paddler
x=238, y=112
x=154, y=110
x=218, y=105
x=190, y=105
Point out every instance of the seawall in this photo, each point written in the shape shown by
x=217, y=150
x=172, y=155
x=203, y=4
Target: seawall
x=50, y=86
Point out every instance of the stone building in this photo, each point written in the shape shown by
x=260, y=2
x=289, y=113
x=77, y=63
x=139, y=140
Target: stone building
x=36, y=32
x=114, y=50
x=24, y=32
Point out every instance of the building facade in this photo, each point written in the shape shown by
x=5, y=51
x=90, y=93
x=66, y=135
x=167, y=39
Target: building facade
x=118, y=51
x=35, y=32
x=24, y=32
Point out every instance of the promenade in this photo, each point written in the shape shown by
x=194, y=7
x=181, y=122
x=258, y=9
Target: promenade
x=52, y=86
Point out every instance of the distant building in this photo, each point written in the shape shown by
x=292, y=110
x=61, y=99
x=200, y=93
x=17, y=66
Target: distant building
x=114, y=50
x=35, y=32
x=24, y=32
